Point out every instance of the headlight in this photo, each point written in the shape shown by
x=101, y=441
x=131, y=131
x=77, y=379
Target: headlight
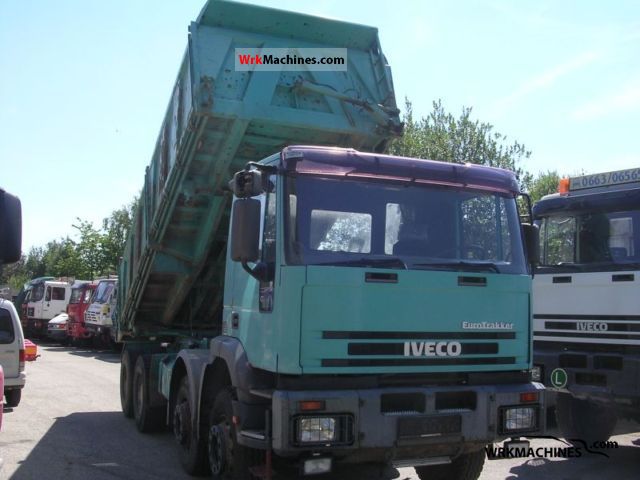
x=519, y=419
x=316, y=429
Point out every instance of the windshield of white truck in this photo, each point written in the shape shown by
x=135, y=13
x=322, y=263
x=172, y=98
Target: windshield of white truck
x=591, y=240
x=103, y=292
x=391, y=225
x=37, y=293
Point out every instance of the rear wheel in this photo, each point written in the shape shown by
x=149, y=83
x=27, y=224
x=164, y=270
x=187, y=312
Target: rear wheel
x=465, y=467
x=584, y=420
x=192, y=450
x=228, y=459
x=13, y=397
x=126, y=383
x=148, y=418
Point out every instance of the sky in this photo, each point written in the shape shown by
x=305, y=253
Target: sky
x=84, y=85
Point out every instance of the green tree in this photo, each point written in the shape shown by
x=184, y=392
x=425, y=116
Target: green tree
x=116, y=227
x=543, y=184
x=35, y=265
x=441, y=136
x=62, y=260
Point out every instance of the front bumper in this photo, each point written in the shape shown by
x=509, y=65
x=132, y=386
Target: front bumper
x=37, y=326
x=78, y=330
x=94, y=329
x=56, y=334
x=606, y=377
x=11, y=383
x=404, y=423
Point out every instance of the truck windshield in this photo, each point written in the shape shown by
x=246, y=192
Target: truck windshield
x=103, y=292
x=37, y=292
x=591, y=240
x=76, y=295
x=389, y=225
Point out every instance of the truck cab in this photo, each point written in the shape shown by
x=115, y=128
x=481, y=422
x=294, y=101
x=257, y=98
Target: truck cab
x=586, y=301
x=46, y=299
x=81, y=295
x=98, y=315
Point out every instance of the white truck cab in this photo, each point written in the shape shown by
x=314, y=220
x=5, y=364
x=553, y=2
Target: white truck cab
x=586, y=301
x=46, y=300
x=98, y=316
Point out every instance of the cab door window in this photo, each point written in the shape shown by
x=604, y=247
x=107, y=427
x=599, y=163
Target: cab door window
x=268, y=248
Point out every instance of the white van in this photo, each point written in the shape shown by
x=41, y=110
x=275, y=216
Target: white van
x=11, y=353
x=46, y=300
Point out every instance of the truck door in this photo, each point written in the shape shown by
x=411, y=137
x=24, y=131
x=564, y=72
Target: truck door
x=55, y=301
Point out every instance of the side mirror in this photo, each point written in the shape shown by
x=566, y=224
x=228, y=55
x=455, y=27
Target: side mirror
x=10, y=228
x=532, y=243
x=245, y=231
x=247, y=183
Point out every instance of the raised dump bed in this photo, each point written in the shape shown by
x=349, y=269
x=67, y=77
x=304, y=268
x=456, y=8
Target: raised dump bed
x=218, y=119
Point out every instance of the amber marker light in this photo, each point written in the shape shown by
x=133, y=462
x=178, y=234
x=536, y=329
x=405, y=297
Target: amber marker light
x=563, y=186
x=311, y=405
x=529, y=397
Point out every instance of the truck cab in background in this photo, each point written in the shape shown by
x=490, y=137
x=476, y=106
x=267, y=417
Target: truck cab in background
x=586, y=301
x=81, y=295
x=46, y=299
x=22, y=299
x=98, y=321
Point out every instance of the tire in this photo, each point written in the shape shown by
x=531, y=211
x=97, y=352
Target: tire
x=226, y=458
x=584, y=420
x=148, y=418
x=465, y=467
x=126, y=383
x=191, y=450
x=13, y=397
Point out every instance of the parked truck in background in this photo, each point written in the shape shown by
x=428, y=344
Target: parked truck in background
x=323, y=306
x=81, y=295
x=587, y=301
x=46, y=299
x=22, y=299
x=98, y=317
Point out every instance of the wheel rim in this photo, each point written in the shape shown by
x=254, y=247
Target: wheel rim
x=181, y=423
x=216, y=449
x=139, y=395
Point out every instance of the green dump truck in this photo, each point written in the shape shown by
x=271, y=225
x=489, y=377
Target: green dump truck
x=290, y=305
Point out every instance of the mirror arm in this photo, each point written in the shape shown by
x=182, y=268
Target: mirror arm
x=260, y=272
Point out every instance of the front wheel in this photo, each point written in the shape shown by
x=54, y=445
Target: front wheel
x=228, y=459
x=465, y=467
x=582, y=420
x=191, y=448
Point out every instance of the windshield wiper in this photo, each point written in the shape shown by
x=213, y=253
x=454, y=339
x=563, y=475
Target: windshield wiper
x=461, y=265
x=386, y=262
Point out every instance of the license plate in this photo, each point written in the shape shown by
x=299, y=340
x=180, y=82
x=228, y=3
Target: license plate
x=509, y=450
x=429, y=426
